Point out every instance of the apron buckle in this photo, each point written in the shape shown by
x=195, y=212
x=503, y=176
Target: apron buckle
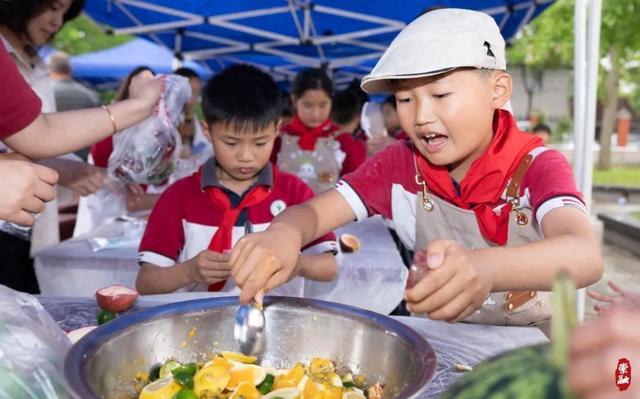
x=427, y=204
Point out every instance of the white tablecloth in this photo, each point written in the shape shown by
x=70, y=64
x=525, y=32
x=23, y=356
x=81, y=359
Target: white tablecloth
x=372, y=278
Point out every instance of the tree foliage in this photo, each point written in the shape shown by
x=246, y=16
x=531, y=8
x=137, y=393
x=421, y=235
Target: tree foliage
x=82, y=35
x=547, y=42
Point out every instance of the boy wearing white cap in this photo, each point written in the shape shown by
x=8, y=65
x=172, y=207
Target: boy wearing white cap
x=497, y=213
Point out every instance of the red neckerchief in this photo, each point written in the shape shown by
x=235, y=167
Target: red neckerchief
x=222, y=239
x=486, y=179
x=309, y=136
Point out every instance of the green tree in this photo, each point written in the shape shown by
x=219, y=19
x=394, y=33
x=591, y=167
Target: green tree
x=620, y=41
x=82, y=35
x=548, y=43
x=543, y=44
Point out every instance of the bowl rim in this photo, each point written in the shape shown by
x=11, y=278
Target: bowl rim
x=77, y=356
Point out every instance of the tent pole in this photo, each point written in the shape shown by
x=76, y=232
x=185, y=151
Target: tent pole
x=579, y=112
x=593, y=61
x=579, y=88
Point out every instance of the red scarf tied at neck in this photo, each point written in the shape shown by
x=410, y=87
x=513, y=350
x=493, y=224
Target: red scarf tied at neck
x=308, y=135
x=486, y=179
x=222, y=239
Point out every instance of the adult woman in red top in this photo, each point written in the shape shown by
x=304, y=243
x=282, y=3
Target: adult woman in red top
x=311, y=146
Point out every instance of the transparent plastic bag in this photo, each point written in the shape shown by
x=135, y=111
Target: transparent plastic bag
x=32, y=349
x=146, y=153
x=372, y=120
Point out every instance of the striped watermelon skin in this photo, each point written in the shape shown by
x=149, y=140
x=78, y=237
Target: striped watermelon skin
x=525, y=373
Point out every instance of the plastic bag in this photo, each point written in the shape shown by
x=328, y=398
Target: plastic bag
x=146, y=153
x=32, y=349
x=126, y=234
x=372, y=120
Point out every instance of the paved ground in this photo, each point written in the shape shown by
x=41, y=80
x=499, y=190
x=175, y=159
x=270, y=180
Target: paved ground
x=620, y=265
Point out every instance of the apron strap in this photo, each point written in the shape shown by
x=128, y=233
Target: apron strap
x=513, y=189
x=515, y=299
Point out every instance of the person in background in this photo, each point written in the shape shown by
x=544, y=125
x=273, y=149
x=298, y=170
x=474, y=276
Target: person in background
x=311, y=146
x=345, y=110
x=194, y=143
x=543, y=131
x=198, y=219
x=69, y=94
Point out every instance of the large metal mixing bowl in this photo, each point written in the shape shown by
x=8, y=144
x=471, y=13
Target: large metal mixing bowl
x=104, y=363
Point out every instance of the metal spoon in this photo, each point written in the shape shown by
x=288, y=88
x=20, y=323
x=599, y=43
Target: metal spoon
x=248, y=329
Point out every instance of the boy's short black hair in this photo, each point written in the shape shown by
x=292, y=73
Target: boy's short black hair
x=243, y=98
x=16, y=14
x=541, y=127
x=346, y=106
x=187, y=73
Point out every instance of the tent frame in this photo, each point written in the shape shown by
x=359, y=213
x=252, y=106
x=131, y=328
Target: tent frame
x=301, y=12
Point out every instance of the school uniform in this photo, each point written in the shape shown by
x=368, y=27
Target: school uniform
x=320, y=155
x=197, y=213
x=502, y=201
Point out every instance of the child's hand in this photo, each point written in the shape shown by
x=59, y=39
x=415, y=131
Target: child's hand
x=596, y=347
x=454, y=287
x=209, y=267
x=263, y=261
x=625, y=299
x=145, y=88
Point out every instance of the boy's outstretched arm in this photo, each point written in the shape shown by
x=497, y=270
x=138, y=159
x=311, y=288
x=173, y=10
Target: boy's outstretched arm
x=459, y=279
x=569, y=243
x=59, y=133
x=262, y=261
x=318, y=267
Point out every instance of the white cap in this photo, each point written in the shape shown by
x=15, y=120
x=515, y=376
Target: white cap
x=437, y=42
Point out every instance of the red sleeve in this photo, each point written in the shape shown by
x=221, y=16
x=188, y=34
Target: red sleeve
x=20, y=105
x=548, y=177
x=372, y=182
x=355, y=150
x=301, y=192
x=163, y=237
x=101, y=151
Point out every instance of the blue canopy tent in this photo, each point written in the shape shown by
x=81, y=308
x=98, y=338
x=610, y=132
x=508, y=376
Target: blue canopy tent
x=280, y=36
x=106, y=68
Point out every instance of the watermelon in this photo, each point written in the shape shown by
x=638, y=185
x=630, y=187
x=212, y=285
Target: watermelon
x=533, y=372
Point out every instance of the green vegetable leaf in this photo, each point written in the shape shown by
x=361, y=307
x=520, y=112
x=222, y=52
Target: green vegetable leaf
x=189, y=368
x=105, y=316
x=267, y=385
x=184, y=379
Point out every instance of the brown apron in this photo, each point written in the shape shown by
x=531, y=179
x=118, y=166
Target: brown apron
x=318, y=168
x=438, y=219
